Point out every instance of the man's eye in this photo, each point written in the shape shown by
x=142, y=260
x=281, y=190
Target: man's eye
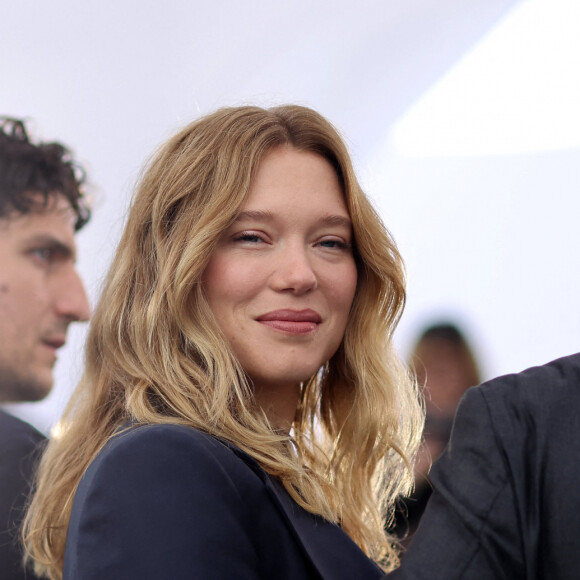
x=44, y=254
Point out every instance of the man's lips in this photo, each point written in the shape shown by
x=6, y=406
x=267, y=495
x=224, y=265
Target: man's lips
x=291, y=321
x=54, y=342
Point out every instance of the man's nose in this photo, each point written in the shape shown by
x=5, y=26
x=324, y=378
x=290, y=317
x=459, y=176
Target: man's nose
x=70, y=298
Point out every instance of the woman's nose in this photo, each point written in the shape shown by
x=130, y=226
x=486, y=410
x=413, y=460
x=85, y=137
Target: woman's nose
x=294, y=271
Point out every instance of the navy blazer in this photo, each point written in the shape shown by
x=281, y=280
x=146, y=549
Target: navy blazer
x=506, y=499
x=20, y=447
x=169, y=502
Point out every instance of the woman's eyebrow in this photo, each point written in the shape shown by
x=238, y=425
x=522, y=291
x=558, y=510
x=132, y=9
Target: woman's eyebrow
x=336, y=220
x=256, y=215
x=263, y=216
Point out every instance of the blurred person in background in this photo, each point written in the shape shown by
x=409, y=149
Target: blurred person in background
x=445, y=367
x=42, y=205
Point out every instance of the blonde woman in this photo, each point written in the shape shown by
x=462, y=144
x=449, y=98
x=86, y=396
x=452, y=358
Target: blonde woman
x=243, y=413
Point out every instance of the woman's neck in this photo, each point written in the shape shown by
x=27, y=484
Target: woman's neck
x=279, y=403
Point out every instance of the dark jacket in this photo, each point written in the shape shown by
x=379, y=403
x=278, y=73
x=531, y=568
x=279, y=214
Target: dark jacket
x=166, y=501
x=506, y=500
x=20, y=446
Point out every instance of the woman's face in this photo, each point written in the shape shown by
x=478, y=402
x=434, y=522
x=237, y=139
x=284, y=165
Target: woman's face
x=283, y=277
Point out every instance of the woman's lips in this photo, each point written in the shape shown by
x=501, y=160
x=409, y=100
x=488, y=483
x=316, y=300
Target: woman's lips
x=291, y=321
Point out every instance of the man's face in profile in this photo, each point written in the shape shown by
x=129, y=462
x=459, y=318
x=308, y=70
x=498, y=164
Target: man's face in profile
x=40, y=295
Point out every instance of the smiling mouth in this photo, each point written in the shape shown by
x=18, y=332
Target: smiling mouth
x=291, y=321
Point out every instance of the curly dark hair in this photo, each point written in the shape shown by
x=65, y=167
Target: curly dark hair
x=27, y=169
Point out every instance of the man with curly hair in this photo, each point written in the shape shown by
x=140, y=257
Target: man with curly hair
x=42, y=205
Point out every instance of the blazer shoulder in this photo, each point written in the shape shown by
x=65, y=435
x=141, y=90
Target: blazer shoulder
x=21, y=442
x=170, y=446
x=160, y=501
x=13, y=428
x=134, y=436
x=552, y=389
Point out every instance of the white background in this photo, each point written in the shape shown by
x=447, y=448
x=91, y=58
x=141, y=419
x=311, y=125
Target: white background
x=462, y=118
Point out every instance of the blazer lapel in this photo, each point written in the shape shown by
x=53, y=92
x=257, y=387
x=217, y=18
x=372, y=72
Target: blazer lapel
x=330, y=549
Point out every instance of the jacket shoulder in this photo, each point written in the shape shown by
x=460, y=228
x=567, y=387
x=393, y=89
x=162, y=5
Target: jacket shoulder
x=540, y=393
x=159, y=501
x=162, y=448
x=13, y=428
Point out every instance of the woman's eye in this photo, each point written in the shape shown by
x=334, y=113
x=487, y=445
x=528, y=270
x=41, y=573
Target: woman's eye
x=248, y=237
x=335, y=244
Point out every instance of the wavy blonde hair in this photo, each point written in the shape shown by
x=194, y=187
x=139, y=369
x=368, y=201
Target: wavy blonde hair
x=155, y=353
